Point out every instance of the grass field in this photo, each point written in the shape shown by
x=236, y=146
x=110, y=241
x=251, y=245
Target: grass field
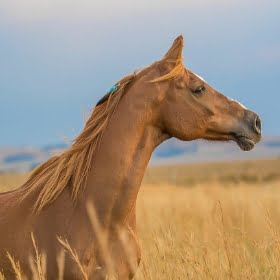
x=207, y=221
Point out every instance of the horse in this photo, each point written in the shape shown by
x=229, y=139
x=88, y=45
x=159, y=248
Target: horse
x=81, y=204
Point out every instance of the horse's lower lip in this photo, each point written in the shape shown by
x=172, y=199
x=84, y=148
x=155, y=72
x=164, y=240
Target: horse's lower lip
x=246, y=144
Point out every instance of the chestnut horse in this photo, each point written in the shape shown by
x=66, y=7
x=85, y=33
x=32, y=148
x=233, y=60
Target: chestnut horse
x=87, y=195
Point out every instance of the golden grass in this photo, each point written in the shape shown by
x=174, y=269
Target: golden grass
x=40, y=267
x=226, y=173
x=215, y=230
x=72, y=252
x=16, y=267
x=210, y=232
x=11, y=181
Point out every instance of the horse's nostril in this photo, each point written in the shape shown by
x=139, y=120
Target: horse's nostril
x=258, y=125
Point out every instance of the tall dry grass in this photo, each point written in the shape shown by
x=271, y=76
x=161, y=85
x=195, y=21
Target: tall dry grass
x=215, y=230
x=210, y=232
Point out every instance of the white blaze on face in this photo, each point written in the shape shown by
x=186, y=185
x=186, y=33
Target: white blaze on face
x=230, y=99
x=200, y=78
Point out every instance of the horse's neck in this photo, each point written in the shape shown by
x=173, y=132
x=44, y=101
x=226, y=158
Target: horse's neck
x=119, y=164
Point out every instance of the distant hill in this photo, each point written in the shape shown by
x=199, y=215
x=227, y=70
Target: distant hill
x=20, y=157
x=201, y=150
x=170, y=152
x=26, y=158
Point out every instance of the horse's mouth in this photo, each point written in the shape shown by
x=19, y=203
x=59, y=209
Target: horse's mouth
x=245, y=143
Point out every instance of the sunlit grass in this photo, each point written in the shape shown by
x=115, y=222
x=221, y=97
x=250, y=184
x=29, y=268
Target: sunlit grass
x=215, y=230
x=210, y=232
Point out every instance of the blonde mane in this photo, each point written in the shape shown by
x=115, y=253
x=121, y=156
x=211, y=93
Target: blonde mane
x=71, y=168
x=177, y=71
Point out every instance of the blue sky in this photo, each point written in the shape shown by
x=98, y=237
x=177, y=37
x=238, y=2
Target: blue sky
x=58, y=57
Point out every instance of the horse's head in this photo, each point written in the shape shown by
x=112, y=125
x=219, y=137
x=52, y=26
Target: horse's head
x=191, y=109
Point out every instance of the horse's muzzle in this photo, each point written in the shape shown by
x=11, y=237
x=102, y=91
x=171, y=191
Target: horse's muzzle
x=249, y=131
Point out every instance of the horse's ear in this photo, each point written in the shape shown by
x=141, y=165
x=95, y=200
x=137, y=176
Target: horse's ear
x=176, y=50
x=171, y=66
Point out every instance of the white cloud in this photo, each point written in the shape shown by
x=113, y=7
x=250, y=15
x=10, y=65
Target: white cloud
x=34, y=10
x=43, y=10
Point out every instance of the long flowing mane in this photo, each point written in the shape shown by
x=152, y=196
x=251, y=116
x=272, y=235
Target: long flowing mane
x=72, y=166
x=70, y=169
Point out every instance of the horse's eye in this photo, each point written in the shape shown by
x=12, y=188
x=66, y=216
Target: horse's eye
x=199, y=91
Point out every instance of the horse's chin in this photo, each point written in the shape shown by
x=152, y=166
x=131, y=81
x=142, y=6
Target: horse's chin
x=244, y=143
